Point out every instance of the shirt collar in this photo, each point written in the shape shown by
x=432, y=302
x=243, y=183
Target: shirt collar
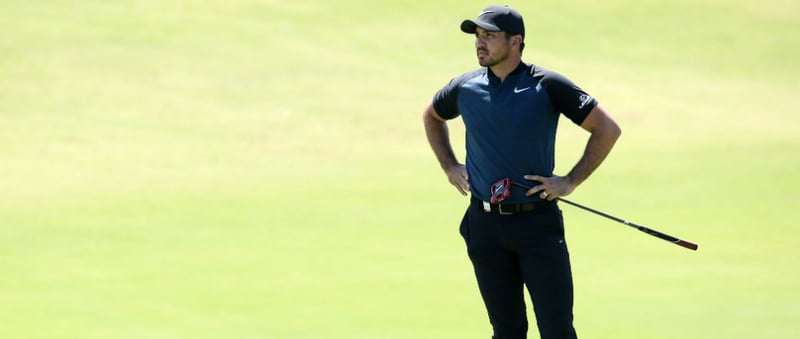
x=520, y=68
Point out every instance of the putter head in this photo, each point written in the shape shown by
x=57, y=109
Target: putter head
x=501, y=190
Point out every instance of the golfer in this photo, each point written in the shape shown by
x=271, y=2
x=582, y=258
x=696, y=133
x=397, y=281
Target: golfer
x=511, y=111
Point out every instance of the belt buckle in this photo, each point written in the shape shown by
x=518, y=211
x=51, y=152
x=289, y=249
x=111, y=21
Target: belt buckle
x=500, y=210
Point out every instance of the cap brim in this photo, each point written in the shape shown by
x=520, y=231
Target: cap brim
x=471, y=26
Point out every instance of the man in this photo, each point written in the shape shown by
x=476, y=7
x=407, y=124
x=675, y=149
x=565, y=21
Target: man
x=511, y=110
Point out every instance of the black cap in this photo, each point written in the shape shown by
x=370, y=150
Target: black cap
x=496, y=18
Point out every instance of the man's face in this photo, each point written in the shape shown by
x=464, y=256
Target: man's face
x=492, y=47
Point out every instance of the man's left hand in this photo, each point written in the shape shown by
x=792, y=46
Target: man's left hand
x=550, y=188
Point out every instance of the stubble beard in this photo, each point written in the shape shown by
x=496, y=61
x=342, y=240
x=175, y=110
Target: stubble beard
x=490, y=61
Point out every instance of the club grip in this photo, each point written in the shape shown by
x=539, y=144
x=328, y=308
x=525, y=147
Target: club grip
x=664, y=236
x=689, y=245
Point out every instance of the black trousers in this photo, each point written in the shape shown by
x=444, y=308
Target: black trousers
x=510, y=252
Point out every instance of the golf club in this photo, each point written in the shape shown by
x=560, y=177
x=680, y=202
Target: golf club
x=501, y=191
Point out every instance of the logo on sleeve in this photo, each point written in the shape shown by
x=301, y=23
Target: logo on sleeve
x=585, y=99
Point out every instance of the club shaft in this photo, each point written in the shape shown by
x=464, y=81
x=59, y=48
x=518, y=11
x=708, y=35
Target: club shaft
x=644, y=229
x=650, y=231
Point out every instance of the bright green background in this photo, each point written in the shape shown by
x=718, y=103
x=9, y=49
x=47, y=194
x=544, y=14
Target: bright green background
x=258, y=169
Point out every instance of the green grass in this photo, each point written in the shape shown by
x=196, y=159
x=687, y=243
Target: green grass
x=258, y=169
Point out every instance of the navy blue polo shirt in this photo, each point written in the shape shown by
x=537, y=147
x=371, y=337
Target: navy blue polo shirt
x=511, y=125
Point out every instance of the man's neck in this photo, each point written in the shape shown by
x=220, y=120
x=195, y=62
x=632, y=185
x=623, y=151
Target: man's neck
x=503, y=69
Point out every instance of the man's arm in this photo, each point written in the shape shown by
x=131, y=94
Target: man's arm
x=604, y=133
x=439, y=138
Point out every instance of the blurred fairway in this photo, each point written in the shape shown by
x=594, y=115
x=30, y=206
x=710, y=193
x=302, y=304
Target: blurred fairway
x=258, y=169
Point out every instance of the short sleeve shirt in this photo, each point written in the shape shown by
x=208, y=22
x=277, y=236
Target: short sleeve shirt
x=511, y=125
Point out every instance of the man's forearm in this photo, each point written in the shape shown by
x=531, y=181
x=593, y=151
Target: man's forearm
x=439, y=139
x=597, y=148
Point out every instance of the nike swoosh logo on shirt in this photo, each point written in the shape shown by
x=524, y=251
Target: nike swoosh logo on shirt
x=520, y=90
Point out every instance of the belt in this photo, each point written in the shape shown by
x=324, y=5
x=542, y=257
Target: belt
x=511, y=208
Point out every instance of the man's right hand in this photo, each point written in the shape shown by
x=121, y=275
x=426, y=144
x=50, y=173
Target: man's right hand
x=457, y=174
